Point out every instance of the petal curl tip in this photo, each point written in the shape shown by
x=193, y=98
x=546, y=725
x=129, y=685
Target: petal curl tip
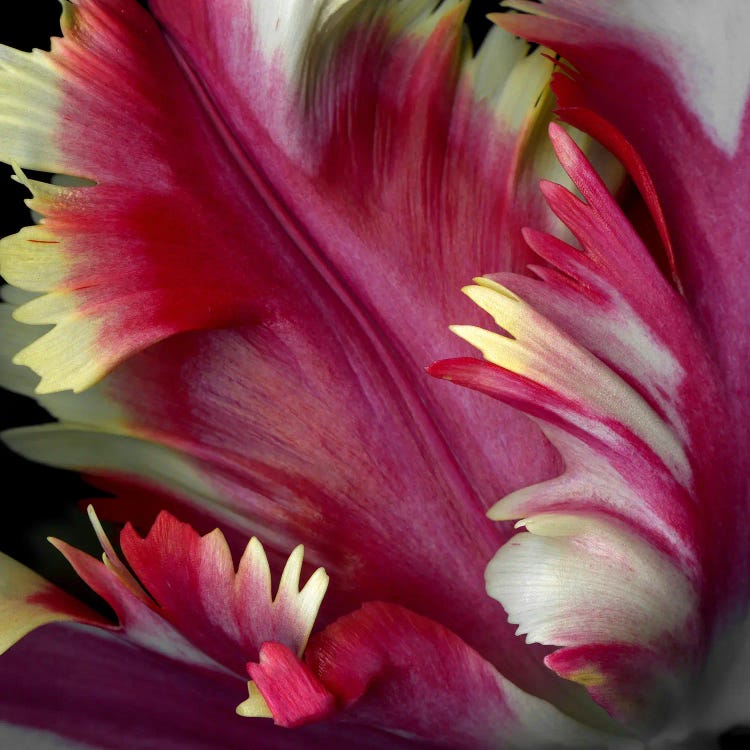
x=285, y=688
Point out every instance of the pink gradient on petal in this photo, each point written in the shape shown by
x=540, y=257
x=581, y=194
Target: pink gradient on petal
x=404, y=672
x=291, y=690
x=641, y=673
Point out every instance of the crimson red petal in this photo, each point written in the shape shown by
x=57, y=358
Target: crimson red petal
x=392, y=668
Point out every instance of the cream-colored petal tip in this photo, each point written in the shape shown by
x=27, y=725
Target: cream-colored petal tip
x=254, y=706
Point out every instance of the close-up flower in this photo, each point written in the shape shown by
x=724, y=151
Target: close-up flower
x=331, y=501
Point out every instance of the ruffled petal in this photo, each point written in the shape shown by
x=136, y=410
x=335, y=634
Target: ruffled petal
x=318, y=403
x=238, y=269
x=676, y=85
x=275, y=164
x=385, y=667
x=189, y=603
x=626, y=561
x=102, y=306
x=193, y=579
x=373, y=124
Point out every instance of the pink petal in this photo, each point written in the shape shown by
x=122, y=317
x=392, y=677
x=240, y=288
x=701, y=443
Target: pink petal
x=392, y=668
x=315, y=237
x=228, y=614
x=605, y=353
x=188, y=601
x=676, y=86
x=293, y=693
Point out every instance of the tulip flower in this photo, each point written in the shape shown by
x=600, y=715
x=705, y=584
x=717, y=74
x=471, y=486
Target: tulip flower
x=260, y=217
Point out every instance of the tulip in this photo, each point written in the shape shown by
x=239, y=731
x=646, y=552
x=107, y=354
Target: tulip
x=252, y=246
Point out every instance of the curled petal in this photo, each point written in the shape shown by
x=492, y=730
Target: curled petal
x=604, y=352
x=392, y=668
x=291, y=693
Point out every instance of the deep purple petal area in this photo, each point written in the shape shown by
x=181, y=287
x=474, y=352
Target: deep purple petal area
x=100, y=690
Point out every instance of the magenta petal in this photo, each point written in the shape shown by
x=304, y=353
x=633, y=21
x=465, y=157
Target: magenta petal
x=100, y=690
x=678, y=92
x=294, y=404
x=608, y=356
x=391, y=668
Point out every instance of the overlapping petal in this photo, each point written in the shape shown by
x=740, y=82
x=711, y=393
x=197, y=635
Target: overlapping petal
x=676, y=85
x=625, y=562
x=382, y=668
x=227, y=295
x=252, y=243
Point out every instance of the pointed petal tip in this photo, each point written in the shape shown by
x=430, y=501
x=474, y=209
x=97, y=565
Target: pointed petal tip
x=497, y=512
x=557, y=132
x=254, y=706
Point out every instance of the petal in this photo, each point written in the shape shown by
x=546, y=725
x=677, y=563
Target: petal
x=27, y=601
x=390, y=667
x=676, y=85
x=592, y=552
x=291, y=691
x=161, y=209
x=189, y=603
x=193, y=580
x=101, y=691
x=723, y=697
x=80, y=243
x=353, y=524
x=605, y=353
x=263, y=237
x=374, y=122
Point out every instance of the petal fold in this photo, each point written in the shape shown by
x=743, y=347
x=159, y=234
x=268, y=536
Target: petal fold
x=604, y=352
x=392, y=668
